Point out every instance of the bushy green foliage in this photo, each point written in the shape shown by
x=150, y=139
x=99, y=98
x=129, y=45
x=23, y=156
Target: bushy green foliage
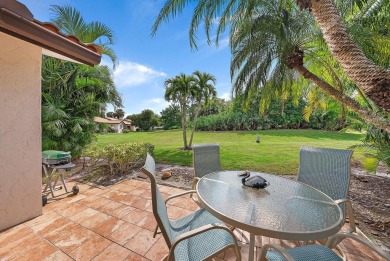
x=72, y=95
x=290, y=117
x=146, y=120
x=118, y=160
x=119, y=114
x=102, y=128
x=170, y=117
x=377, y=148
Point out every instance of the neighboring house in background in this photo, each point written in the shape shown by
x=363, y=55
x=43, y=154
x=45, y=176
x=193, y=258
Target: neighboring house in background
x=23, y=40
x=116, y=124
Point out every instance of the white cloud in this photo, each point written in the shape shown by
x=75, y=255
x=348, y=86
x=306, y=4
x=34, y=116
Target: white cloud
x=156, y=101
x=226, y=96
x=223, y=43
x=155, y=104
x=130, y=74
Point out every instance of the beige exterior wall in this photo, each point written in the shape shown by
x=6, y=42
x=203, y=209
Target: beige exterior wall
x=20, y=131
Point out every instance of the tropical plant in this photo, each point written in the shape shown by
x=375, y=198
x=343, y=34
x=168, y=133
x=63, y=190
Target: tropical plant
x=372, y=79
x=181, y=89
x=377, y=148
x=71, y=98
x=214, y=106
x=170, y=117
x=277, y=61
x=118, y=113
x=204, y=90
x=110, y=114
x=72, y=94
x=70, y=21
x=259, y=23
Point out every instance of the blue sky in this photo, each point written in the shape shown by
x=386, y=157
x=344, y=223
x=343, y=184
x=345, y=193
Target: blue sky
x=145, y=61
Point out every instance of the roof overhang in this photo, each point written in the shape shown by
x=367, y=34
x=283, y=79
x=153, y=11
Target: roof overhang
x=16, y=20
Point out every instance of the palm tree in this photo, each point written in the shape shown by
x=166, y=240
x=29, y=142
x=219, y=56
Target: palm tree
x=371, y=78
x=70, y=21
x=285, y=36
x=119, y=113
x=181, y=89
x=110, y=114
x=253, y=69
x=204, y=90
x=72, y=95
x=68, y=107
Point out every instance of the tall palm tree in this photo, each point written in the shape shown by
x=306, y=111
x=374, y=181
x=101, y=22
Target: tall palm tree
x=70, y=21
x=291, y=54
x=371, y=78
x=181, y=89
x=285, y=37
x=204, y=90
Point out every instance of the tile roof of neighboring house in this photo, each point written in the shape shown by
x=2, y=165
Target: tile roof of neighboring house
x=127, y=122
x=17, y=20
x=109, y=120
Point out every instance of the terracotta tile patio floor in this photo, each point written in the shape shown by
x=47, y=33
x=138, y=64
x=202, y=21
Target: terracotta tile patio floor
x=111, y=223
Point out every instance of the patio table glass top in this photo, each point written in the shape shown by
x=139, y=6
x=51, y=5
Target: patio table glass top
x=286, y=209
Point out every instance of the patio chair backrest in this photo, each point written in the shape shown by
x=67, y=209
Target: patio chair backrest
x=328, y=170
x=205, y=158
x=158, y=204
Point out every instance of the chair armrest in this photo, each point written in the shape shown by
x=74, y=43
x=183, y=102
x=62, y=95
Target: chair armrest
x=277, y=248
x=194, y=181
x=198, y=231
x=336, y=239
x=179, y=195
x=349, y=210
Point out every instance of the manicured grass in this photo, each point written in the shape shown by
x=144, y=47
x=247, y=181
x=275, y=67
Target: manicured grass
x=278, y=151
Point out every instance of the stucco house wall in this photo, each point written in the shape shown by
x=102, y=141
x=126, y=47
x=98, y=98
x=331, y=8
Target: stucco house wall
x=116, y=127
x=20, y=131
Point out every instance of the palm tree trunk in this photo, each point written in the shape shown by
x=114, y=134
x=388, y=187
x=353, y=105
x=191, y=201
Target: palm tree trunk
x=366, y=115
x=343, y=109
x=343, y=116
x=372, y=79
x=195, y=120
x=184, y=125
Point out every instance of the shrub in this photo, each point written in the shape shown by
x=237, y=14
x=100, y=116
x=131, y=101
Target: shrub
x=118, y=160
x=125, y=131
x=377, y=148
x=170, y=117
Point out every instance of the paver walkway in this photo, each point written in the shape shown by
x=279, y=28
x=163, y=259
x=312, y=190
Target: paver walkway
x=111, y=223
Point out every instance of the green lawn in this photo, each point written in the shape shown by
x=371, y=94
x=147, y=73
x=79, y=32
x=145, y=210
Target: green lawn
x=278, y=151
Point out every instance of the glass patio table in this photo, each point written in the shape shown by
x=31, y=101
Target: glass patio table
x=286, y=209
